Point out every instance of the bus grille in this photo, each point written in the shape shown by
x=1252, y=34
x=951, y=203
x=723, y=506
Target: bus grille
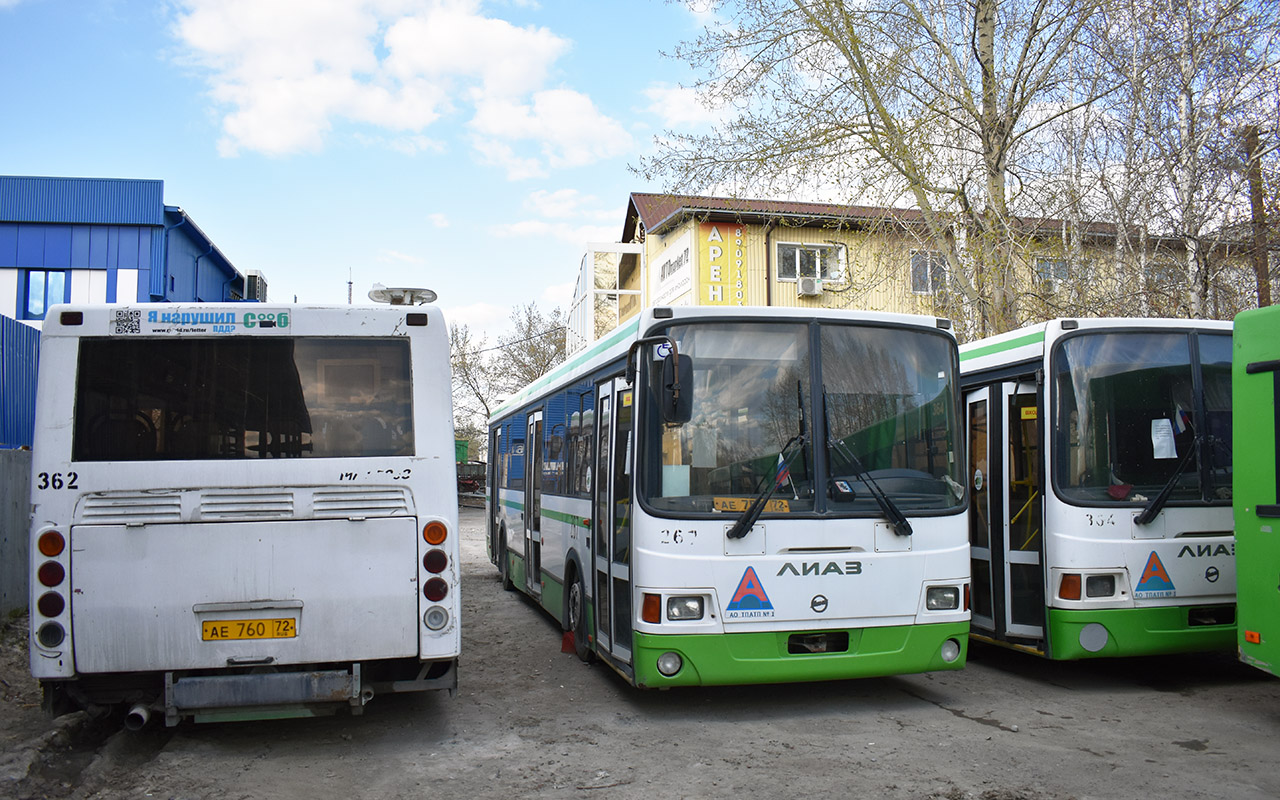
x=123, y=508
x=360, y=502
x=246, y=504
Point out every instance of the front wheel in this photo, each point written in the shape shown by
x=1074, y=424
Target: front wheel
x=578, y=621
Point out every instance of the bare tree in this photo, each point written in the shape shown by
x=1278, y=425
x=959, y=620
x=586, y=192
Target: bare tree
x=485, y=375
x=535, y=345
x=936, y=103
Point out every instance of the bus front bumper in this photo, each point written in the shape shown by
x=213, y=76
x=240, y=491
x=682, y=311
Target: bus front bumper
x=1116, y=632
x=771, y=657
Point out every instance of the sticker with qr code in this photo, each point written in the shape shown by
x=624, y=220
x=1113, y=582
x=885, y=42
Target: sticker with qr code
x=127, y=321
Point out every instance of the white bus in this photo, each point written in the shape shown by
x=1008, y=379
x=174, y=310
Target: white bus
x=242, y=511
x=1100, y=476
x=742, y=495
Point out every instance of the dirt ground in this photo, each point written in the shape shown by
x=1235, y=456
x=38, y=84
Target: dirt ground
x=529, y=720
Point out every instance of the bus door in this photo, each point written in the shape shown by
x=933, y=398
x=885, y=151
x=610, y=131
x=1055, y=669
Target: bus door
x=612, y=518
x=1006, y=515
x=983, y=506
x=533, y=504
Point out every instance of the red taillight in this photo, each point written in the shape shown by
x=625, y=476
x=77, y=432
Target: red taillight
x=435, y=561
x=51, y=604
x=1070, y=587
x=51, y=573
x=435, y=532
x=651, y=610
x=436, y=590
x=51, y=544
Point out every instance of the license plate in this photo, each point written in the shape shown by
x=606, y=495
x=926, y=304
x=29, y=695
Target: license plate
x=228, y=629
x=777, y=504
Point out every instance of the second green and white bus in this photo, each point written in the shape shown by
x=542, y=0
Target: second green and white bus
x=1100, y=475
x=742, y=495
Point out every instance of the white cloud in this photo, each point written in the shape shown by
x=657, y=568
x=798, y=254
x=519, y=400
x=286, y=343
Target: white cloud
x=577, y=235
x=569, y=204
x=438, y=220
x=483, y=319
x=681, y=107
x=286, y=73
x=396, y=257
x=565, y=125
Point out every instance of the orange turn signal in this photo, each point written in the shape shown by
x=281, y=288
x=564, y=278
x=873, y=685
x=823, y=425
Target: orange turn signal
x=1069, y=589
x=435, y=532
x=651, y=610
x=1253, y=637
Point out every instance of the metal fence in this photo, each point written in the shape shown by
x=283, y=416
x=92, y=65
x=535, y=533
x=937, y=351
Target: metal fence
x=19, y=356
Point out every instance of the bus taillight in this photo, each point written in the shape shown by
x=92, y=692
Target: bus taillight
x=435, y=532
x=51, y=604
x=51, y=544
x=51, y=574
x=436, y=589
x=435, y=561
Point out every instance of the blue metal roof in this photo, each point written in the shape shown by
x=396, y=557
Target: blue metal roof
x=103, y=201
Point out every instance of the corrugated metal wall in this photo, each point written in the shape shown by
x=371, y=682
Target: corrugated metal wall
x=102, y=201
x=19, y=357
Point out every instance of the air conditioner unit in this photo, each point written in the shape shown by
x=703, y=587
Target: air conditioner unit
x=809, y=287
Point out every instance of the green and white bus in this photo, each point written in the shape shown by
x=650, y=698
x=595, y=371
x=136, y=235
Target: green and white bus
x=1100, y=475
x=742, y=495
x=1255, y=375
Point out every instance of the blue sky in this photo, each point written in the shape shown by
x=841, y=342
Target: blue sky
x=473, y=148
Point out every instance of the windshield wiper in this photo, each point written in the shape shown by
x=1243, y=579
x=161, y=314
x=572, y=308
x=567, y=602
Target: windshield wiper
x=889, y=508
x=748, y=519
x=1154, y=507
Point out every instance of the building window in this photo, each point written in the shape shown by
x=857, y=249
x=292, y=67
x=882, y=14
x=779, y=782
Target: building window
x=928, y=271
x=1052, y=271
x=41, y=289
x=823, y=261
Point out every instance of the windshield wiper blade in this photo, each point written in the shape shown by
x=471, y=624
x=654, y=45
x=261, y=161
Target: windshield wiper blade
x=890, y=509
x=1155, y=506
x=747, y=520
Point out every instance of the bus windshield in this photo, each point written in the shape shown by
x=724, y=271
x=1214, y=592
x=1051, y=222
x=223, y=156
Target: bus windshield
x=889, y=399
x=1130, y=421
x=242, y=397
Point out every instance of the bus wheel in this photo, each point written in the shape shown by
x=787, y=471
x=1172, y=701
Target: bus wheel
x=504, y=563
x=578, y=620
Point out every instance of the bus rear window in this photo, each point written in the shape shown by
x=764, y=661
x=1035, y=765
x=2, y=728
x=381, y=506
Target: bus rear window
x=198, y=399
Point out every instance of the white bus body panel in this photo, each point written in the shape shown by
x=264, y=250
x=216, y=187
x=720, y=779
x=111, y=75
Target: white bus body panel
x=129, y=616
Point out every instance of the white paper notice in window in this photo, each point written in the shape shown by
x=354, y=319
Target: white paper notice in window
x=1162, y=445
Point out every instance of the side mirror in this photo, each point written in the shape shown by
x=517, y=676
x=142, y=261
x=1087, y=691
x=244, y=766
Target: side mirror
x=677, y=389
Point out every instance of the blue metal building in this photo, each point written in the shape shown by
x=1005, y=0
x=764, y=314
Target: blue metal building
x=91, y=240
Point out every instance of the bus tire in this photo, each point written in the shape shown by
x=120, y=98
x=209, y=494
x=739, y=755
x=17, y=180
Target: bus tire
x=504, y=562
x=576, y=612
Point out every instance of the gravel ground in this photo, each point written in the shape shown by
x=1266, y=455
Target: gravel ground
x=529, y=720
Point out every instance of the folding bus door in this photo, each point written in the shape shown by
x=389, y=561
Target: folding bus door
x=533, y=504
x=612, y=518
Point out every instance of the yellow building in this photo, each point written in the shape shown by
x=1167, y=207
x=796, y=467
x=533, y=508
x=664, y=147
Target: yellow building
x=695, y=250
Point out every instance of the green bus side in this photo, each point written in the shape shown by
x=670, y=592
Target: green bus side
x=1255, y=379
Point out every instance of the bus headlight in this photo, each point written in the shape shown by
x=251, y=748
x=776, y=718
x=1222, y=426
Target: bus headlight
x=942, y=598
x=684, y=608
x=670, y=663
x=436, y=618
x=950, y=650
x=1100, y=586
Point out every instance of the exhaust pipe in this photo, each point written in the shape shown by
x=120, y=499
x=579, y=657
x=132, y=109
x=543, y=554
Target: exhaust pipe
x=137, y=718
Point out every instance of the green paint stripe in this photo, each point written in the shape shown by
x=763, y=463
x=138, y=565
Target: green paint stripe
x=1031, y=338
x=550, y=378
x=560, y=516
